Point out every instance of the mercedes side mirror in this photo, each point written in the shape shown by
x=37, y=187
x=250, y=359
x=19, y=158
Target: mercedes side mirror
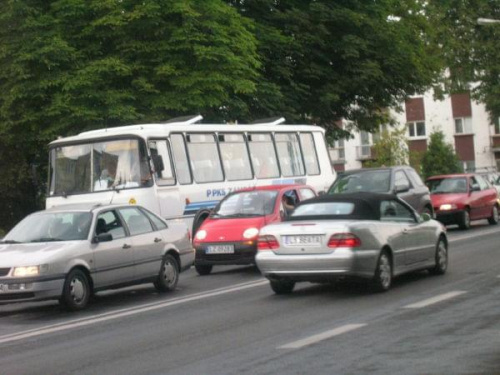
x=425, y=216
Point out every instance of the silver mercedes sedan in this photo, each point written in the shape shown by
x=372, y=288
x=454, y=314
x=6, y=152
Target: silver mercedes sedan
x=365, y=235
x=68, y=253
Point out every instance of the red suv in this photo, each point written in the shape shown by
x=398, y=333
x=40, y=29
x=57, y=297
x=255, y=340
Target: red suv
x=229, y=234
x=461, y=198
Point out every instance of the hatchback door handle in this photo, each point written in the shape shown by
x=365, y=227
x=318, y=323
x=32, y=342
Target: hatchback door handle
x=126, y=246
x=157, y=239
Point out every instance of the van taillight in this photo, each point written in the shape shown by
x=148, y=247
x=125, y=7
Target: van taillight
x=267, y=243
x=344, y=240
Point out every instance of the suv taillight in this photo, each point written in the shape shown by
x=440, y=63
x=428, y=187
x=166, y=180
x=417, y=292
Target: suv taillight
x=267, y=242
x=344, y=240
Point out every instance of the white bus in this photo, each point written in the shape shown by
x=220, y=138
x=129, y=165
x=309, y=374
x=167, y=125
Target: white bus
x=181, y=169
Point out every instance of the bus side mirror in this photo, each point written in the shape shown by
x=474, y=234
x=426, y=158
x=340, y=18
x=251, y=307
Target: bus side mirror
x=158, y=163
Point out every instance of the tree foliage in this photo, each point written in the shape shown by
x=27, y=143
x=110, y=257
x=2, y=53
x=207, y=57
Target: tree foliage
x=440, y=157
x=324, y=60
x=470, y=51
x=391, y=148
x=73, y=65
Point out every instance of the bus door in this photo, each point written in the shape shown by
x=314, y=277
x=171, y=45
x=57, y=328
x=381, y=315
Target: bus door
x=170, y=203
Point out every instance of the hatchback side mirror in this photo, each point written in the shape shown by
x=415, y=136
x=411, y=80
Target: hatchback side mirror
x=103, y=237
x=475, y=187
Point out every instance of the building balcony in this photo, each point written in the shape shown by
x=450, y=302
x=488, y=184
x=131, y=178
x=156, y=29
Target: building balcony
x=364, y=152
x=495, y=142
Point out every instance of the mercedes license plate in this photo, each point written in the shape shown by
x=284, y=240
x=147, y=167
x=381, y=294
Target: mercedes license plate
x=220, y=249
x=3, y=288
x=303, y=240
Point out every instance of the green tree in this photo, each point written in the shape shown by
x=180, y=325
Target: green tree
x=391, y=148
x=440, y=157
x=73, y=65
x=470, y=51
x=323, y=60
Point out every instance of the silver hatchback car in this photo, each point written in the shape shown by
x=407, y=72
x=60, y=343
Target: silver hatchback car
x=366, y=235
x=68, y=253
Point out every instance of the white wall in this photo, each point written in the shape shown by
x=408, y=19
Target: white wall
x=439, y=116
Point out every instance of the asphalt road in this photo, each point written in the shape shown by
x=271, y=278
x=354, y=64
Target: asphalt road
x=231, y=323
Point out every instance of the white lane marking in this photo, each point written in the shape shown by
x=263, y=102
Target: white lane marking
x=433, y=300
x=321, y=336
x=126, y=312
x=473, y=235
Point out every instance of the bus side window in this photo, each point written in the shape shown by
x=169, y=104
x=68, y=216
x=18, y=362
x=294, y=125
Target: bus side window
x=160, y=156
x=204, y=157
x=262, y=151
x=309, y=152
x=180, y=159
x=289, y=154
x=235, y=157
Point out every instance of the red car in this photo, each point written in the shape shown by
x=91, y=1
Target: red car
x=461, y=198
x=229, y=234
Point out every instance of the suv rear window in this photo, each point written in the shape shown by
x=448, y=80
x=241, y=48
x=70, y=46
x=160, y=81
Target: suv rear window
x=377, y=181
x=415, y=178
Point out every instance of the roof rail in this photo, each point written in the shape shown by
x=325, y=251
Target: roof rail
x=269, y=121
x=188, y=120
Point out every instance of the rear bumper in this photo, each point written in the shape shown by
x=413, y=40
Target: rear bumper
x=243, y=254
x=341, y=262
x=27, y=290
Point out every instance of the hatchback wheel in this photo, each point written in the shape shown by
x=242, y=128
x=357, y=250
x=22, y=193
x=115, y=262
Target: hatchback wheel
x=441, y=259
x=282, y=287
x=168, y=276
x=493, y=220
x=76, y=291
x=203, y=269
x=383, y=273
x=464, y=222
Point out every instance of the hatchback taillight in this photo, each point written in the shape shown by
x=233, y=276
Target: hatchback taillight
x=344, y=240
x=267, y=242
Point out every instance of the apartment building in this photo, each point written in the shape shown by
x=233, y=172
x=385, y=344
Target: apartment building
x=465, y=123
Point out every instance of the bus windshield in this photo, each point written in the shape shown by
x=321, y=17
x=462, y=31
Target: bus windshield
x=100, y=166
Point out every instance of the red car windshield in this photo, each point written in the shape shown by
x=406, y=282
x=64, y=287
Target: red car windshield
x=448, y=185
x=247, y=203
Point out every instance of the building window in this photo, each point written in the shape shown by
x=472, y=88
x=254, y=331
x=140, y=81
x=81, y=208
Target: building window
x=383, y=129
x=497, y=126
x=416, y=129
x=338, y=150
x=463, y=125
x=365, y=149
